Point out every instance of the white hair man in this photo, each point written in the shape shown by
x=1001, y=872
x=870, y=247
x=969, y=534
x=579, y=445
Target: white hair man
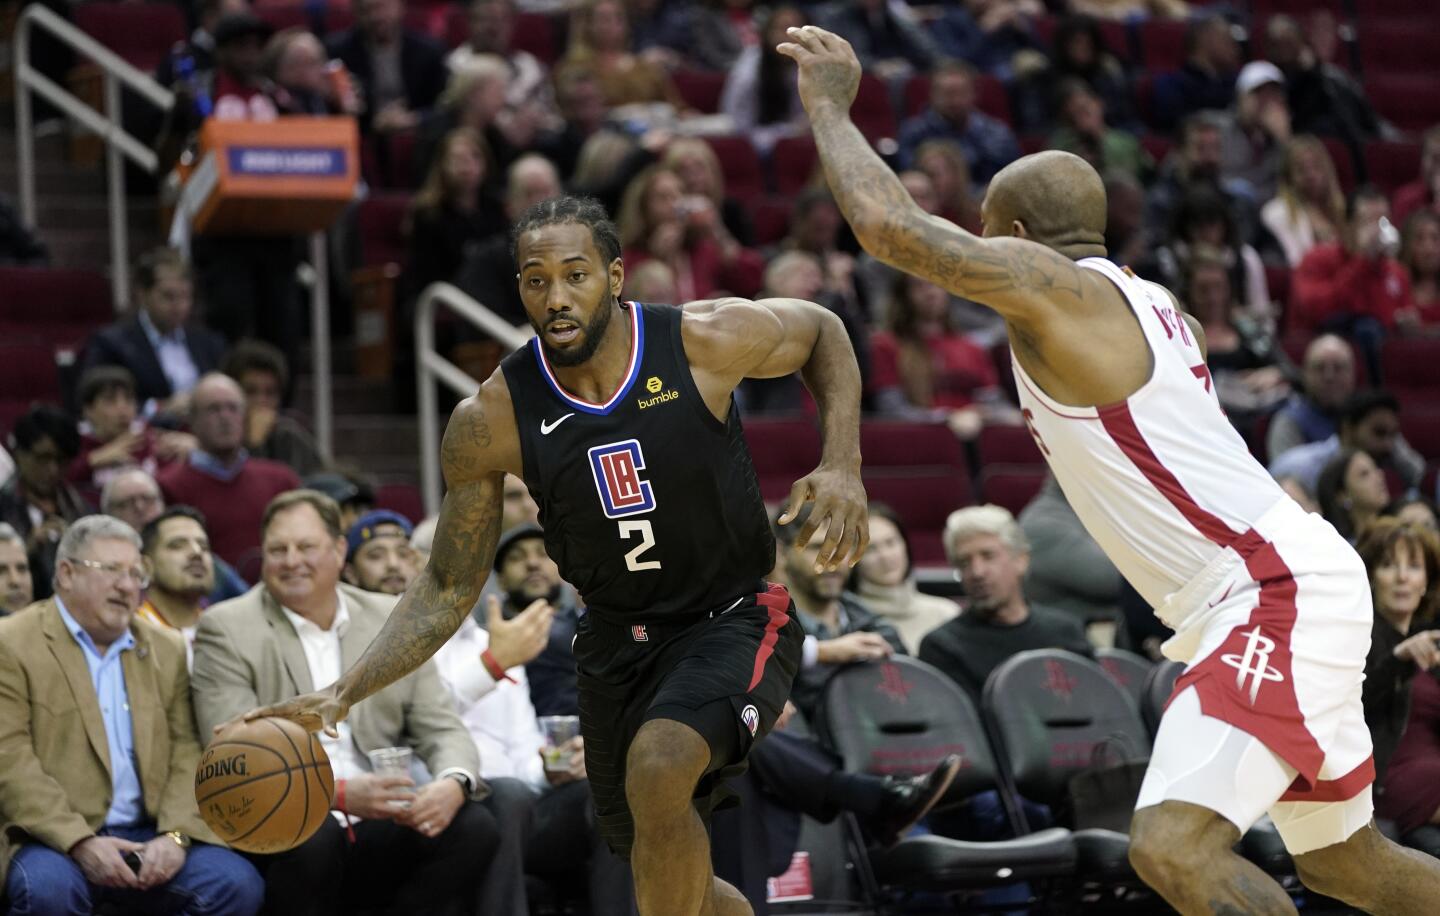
x=990, y=553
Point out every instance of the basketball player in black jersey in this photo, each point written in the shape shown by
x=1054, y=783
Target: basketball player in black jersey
x=619, y=418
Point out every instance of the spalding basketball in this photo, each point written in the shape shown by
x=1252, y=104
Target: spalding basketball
x=264, y=785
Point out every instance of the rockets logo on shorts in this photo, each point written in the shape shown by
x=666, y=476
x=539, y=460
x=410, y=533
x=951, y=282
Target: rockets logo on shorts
x=1254, y=665
x=751, y=717
x=617, y=468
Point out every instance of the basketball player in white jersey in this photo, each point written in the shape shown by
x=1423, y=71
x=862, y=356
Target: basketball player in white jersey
x=1270, y=606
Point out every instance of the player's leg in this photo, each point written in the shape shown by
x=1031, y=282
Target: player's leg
x=670, y=857
x=1207, y=783
x=1373, y=874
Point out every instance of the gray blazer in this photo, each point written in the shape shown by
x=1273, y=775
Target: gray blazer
x=247, y=654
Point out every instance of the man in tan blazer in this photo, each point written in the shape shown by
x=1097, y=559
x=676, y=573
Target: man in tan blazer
x=403, y=849
x=98, y=750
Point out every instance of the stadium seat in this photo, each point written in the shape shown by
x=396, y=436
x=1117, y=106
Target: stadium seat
x=1011, y=486
x=381, y=221
x=52, y=295
x=1392, y=49
x=700, y=88
x=872, y=112
x=1008, y=445
x=1411, y=102
x=900, y=718
x=1159, y=684
x=1055, y=715
x=923, y=497
x=782, y=447
x=1412, y=363
x=28, y=373
x=1129, y=670
x=793, y=163
x=1157, y=145
x=142, y=33
x=403, y=498
x=1421, y=428
x=538, y=34
x=1388, y=165
x=886, y=443
x=740, y=165
x=1162, y=44
x=770, y=218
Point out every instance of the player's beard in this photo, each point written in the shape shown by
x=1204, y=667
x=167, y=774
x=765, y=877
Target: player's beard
x=590, y=337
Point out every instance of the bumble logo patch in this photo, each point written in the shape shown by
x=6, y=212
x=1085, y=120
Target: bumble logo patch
x=654, y=385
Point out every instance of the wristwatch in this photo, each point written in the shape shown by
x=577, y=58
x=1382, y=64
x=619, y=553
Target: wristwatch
x=180, y=839
x=466, y=785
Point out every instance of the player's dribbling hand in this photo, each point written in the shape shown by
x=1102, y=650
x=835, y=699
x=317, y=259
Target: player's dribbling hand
x=840, y=507
x=318, y=711
x=829, y=69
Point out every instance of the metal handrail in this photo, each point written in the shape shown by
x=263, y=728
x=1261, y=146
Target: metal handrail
x=115, y=71
x=431, y=367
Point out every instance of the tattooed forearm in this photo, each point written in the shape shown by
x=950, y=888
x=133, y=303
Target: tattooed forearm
x=434, y=606
x=1003, y=273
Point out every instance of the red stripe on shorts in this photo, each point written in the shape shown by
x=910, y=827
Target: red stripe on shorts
x=1333, y=790
x=776, y=600
x=1274, y=714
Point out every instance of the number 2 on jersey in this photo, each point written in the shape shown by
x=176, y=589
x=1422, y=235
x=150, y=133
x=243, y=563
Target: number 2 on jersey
x=646, y=532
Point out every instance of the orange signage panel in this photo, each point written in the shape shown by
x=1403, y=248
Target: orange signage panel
x=284, y=177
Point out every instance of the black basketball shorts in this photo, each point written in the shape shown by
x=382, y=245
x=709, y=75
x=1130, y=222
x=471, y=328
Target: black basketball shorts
x=726, y=675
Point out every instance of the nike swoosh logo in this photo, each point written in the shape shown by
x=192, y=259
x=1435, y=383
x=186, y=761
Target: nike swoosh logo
x=548, y=428
x=1224, y=596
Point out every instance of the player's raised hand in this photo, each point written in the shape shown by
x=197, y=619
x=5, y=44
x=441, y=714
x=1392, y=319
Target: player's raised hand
x=313, y=712
x=829, y=69
x=840, y=509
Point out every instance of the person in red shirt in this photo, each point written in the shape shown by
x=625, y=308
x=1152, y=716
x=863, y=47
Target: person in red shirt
x=1355, y=287
x=922, y=368
x=230, y=488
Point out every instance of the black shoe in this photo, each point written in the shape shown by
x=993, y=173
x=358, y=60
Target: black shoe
x=911, y=799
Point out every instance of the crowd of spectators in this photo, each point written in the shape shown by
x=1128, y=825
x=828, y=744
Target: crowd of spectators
x=175, y=508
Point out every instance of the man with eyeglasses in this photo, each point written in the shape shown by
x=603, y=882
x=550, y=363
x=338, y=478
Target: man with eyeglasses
x=17, y=586
x=97, y=762
x=182, y=571
x=134, y=497
x=37, y=502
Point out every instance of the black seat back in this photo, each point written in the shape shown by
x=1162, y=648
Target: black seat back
x=1128, y=670
x=1055, y=714
x=900, y=717
x=1158, y=687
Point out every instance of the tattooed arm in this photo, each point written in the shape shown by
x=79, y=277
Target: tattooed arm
x=1021, y=280
x=481, y=444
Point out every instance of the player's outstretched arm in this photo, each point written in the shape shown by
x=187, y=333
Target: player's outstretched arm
x=1021, y=280
x=480, y=445
x=734, y=339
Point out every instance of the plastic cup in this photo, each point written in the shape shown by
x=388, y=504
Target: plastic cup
x=392, y=761
x=558, y=730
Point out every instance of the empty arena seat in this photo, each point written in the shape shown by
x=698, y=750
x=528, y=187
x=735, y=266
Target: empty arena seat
x=1011, y=486
x=142, y=33
x=780, y=446
x=1388, y=165
x=1411, y=102
x=403, y=498
x=740, y=164
x=770, y=218
x=538, y=34
x=923, y=497
x=1130, y=671
x=1162, y=44
x=28, y=373
x=1391, y=48
x=1421, y=428
x=889, y=443
x=793, y=162
x=1412, y=363
x=872, y=111
x=53, y=295
x=1008, y=445
x=700, y=88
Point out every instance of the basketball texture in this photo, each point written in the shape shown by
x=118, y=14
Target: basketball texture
x=264, y=785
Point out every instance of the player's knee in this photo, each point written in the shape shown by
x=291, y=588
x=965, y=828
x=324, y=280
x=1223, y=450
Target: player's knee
x=1169, y=842
x=665, y=761
x=1347, y=871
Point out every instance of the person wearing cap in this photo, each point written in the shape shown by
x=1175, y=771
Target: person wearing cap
x=484, y=669
x=1252, y=145
x=355, y=497
x=379, y=557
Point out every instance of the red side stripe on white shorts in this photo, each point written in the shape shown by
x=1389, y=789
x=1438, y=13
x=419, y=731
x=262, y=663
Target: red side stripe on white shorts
x=1275, y=716
x=776, y=600
x=1334, y=790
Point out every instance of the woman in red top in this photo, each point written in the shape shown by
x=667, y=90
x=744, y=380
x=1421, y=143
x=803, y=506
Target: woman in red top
x=923, y=369
x=1420, y=253
x=659, y=221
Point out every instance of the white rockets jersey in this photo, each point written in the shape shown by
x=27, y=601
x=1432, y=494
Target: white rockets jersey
x=1161, y=480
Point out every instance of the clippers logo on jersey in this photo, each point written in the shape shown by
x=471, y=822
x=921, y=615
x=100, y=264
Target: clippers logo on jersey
x=751, y=717
x=637, y=632
x=617, y=468
x=1254, y=665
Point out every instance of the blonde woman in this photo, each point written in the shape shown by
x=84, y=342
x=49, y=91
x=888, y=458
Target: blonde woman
x=1309, y=207
x=600, y=41
x=695, y=162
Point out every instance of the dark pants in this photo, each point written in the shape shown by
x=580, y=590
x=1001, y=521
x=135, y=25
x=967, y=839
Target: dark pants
x=563, y=835
x=389, y=868
x=213, y=882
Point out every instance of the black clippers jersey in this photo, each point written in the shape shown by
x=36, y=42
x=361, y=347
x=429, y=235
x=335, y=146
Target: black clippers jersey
x=650, y=504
